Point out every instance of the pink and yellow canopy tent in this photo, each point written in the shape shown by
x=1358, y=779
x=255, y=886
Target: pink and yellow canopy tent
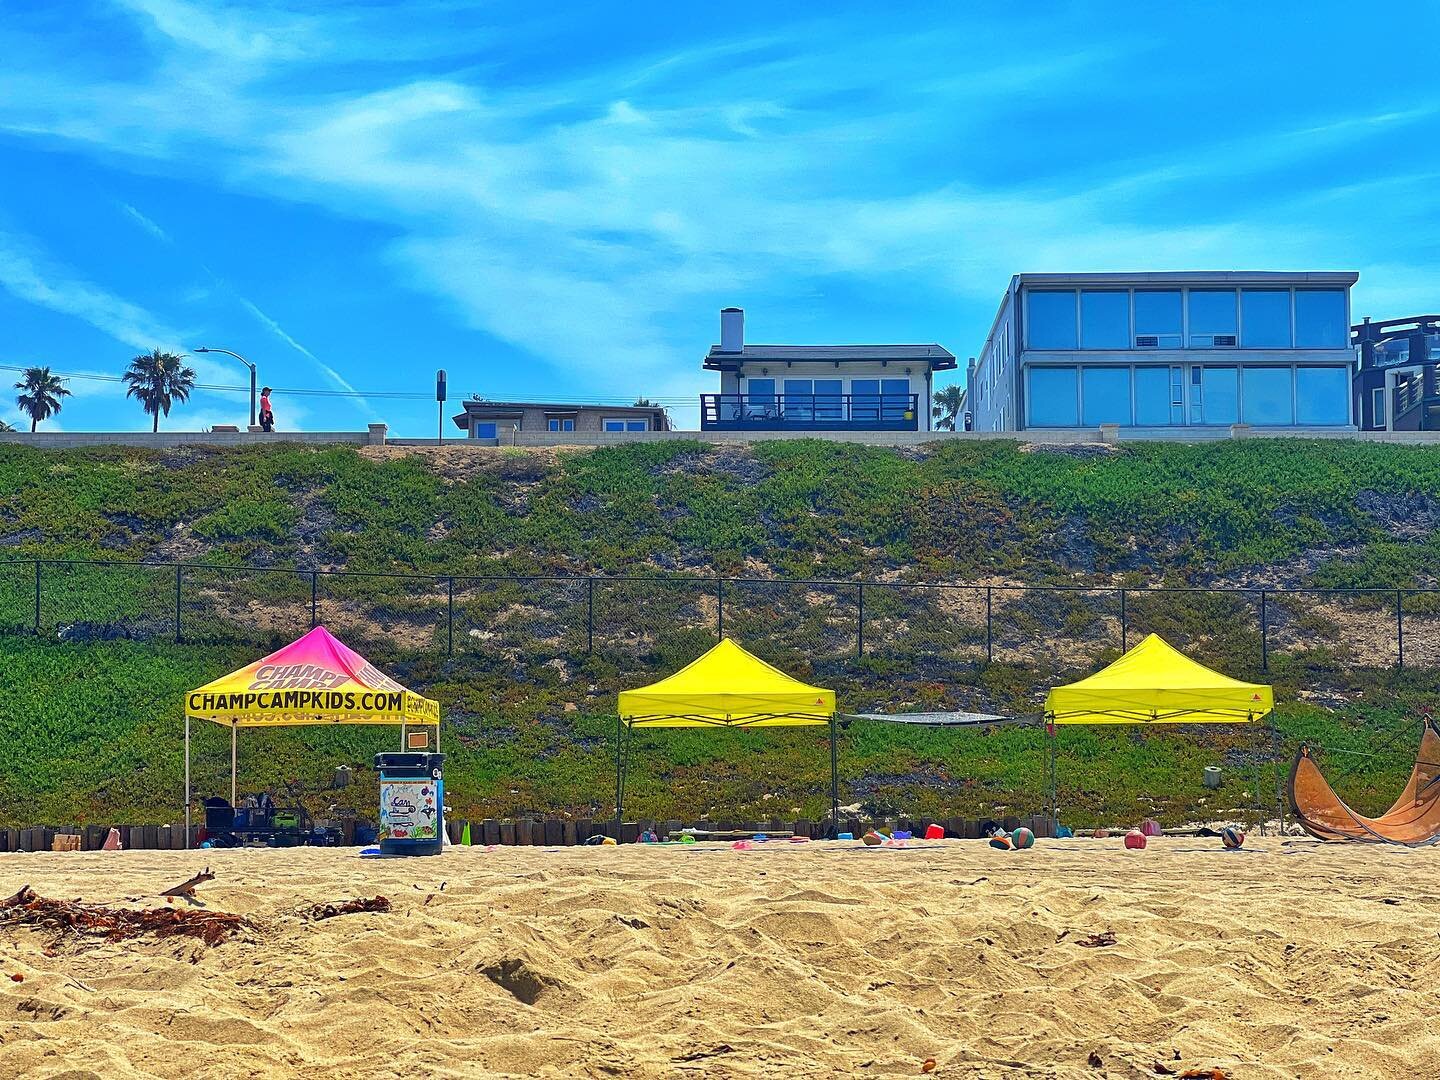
x=726, y=687
x=314, y=680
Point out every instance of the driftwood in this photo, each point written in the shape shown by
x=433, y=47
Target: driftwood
x=347, y=907
x=64, y=917
x=187, y=888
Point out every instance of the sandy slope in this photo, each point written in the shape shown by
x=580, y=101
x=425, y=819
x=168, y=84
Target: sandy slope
x=814, y=960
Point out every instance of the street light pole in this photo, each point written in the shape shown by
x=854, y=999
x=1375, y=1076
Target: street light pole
x=254, y=382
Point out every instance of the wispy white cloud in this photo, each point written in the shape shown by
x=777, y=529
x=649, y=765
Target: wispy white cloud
x=60, y=289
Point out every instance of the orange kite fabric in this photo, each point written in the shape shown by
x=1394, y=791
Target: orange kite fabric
x=1413, y=821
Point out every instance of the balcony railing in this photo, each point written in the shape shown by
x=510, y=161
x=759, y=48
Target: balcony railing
x=810, y=412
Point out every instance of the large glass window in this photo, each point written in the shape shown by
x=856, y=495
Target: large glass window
x=1054, y=401
x=799, y=403
x=1158, y=399
x=896, y=394
x=1320, y=319
x=829, y=405
x=1104, y=319
x=1212, y=318
x=1322, y=395
x=761, y=401
x=1214, y=395
x=1267, y=395
x=1052, y=319
x=1265, y=314
x=1158, y=319
x=486, y=429
x=1106, y=395
x=864, y=399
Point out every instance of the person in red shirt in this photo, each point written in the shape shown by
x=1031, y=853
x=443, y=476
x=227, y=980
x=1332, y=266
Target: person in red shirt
x=267, y=418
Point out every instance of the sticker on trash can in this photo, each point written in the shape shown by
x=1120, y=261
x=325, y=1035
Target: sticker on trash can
x=409, y=810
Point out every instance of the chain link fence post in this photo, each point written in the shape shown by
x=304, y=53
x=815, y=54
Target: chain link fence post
x=589, y=616
x=314, y=599
x=449, y=616
x=989, y=625
x=1264, y=632
x=860, y=621
x=1124, y=624
x=37, y=597
x=1399, y=629
x=179, y=572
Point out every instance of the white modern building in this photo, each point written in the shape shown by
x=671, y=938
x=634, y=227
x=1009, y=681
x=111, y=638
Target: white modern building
x=818, y=387
x=1165, y=351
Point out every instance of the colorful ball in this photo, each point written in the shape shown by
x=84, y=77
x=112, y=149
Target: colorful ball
x=1000, y=841
x=1022, y=838
x=872, y=839
x=1150, y=827
x=1135, y=840
x=1100, y=834
x=1231, y=837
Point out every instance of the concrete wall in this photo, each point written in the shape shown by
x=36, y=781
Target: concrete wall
x=65, y=440
x=1050, y=437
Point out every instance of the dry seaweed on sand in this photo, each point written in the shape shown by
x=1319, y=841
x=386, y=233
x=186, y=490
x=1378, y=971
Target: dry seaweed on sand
x=64, y=917
x=348, y=907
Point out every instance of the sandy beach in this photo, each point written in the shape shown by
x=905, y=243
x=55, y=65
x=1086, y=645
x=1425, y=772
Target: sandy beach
x=1285, y=959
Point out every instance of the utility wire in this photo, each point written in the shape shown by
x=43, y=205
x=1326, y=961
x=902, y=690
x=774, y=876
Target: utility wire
x=398, y=395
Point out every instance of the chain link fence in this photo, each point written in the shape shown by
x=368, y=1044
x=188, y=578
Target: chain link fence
x=655, y=624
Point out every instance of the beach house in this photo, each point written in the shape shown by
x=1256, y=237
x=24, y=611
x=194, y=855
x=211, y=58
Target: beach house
x=1163, y=351
x=1395, y=382
x=818, y=387
x=497, y=419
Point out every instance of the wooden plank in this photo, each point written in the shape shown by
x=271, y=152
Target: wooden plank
x=454, y=829
x=507, y=833
x=554, y=830
x=1010, y=823
x=165, y=838
x=490, y=831
x=537, y=832
x=522, y=832
x=568, y=835
x=126, y=837
x=629, y=832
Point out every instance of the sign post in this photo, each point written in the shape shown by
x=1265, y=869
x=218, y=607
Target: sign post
x=440, y=400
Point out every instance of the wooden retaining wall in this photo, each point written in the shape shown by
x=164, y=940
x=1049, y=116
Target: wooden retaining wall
x=523, y=832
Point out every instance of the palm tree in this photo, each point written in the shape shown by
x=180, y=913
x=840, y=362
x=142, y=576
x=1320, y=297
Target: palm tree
x=159, y=380
x=42, y=394
x=5, y=425
x=946, y=408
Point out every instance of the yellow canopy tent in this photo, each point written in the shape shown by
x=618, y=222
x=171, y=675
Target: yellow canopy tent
x=1153, y=683
x=316, y=679
x=726, y=687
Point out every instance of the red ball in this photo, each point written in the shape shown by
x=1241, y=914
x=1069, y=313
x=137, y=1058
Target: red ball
x=1135, y=839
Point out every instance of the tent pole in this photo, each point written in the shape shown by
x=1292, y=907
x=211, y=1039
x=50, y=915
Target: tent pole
x=834, y=781
x=187, y=780
x=234, y=727
x=619, y=776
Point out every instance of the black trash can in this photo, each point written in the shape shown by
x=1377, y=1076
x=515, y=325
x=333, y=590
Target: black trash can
x=412, y=802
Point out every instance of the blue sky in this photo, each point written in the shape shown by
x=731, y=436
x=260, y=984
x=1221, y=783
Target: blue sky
x=554, y=202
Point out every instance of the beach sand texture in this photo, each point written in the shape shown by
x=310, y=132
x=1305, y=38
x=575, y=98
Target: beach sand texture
x=1284, y=959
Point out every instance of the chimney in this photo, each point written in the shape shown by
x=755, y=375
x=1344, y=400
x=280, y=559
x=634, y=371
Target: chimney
x=732, y=330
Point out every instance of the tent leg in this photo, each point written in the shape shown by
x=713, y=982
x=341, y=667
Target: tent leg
x=402, y=736
x=233, y=729
x=619, y=776
x=1275, y=760
x=834, y=782
x=187, y=780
